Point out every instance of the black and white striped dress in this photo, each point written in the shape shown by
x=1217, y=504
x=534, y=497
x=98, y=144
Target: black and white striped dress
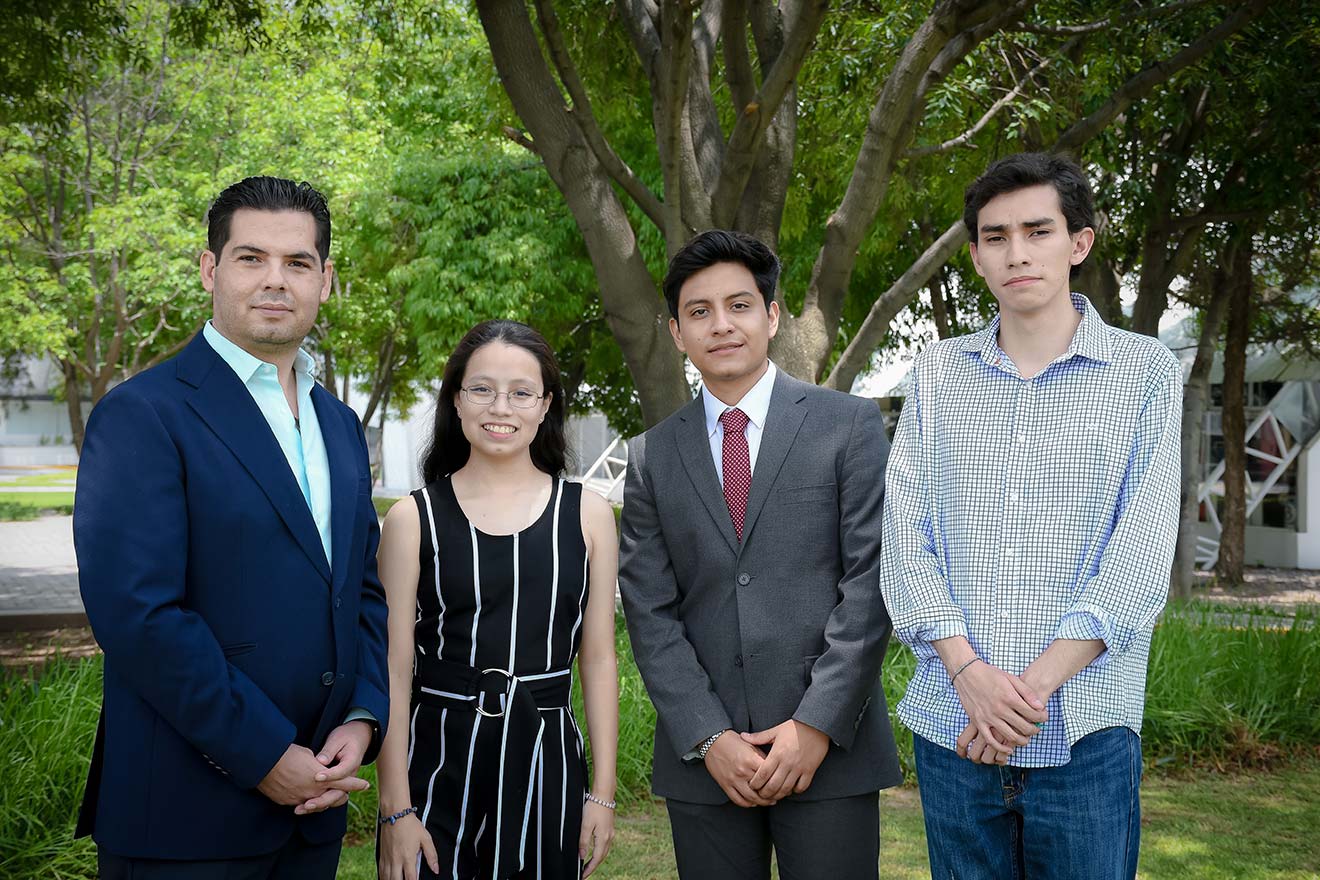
x=506, y=602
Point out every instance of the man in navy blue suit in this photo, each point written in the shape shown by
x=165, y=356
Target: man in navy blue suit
x=226, y=548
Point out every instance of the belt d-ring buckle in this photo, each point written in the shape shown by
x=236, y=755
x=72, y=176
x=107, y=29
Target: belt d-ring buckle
x=500, y=714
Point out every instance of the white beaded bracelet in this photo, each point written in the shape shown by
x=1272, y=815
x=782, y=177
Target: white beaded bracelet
x=609, y=805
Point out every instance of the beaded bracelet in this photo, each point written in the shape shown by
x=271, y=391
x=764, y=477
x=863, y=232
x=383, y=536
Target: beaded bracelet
x=609, y=805
x=381, y=820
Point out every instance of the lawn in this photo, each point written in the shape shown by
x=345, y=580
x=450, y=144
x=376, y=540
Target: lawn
x=1231, y=739
x=1270, y=818
x=62, y=477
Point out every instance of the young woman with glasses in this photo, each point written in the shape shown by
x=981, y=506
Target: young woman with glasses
x=499, y=573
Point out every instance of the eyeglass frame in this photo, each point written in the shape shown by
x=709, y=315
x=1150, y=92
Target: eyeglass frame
x=508, y=396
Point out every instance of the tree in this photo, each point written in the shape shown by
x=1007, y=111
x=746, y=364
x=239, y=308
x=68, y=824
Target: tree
x=90, y=236
x=724, y=145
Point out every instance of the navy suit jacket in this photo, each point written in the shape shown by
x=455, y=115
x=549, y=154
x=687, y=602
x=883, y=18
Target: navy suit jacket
x=227, y=636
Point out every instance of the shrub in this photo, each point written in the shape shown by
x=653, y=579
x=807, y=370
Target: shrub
x=47, y=730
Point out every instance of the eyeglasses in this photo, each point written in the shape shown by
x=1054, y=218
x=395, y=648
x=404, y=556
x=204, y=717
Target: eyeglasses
x=484, y=395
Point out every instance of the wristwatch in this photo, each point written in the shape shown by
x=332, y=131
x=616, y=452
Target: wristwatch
x=710, y=741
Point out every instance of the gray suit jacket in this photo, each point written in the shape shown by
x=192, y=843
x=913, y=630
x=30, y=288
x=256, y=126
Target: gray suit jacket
x=789, y=623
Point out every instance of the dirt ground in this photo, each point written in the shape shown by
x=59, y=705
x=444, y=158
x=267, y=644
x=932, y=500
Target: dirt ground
x=1283, y=589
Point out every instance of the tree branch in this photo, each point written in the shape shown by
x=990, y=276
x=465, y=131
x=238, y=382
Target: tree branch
x=888, y=131
x=737, y=61
x=1069, y=30
x=585, y=117
x=1144, y=82
x=754, y=117
x=973, y=34
x=990, y=114
x=676, y=52
x=858, y=353
x=856, y=356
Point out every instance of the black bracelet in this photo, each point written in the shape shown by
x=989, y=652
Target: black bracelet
x=381, y=820
x=961, y=668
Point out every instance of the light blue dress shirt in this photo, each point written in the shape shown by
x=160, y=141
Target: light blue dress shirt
x=300, y=439
x=1019, y=511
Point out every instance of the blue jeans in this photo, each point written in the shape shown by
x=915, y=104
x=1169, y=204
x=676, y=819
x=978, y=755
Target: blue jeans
x=1081, y=821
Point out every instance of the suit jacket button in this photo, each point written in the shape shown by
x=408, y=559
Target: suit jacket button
x=744, y=579
x=737, y=661
x=328, y=679
x=339, y=601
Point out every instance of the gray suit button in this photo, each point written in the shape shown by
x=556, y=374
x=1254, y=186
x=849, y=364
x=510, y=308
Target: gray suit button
x=328, y=679
x=744, y=579
x=737, y=661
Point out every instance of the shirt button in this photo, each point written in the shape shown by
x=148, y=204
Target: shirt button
x=1021, y=439
x=744, y=579
x=1009, y=551
x=328, y=679
x=1013, y=496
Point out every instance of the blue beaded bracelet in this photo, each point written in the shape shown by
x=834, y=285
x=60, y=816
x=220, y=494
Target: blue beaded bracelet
x=396, y=817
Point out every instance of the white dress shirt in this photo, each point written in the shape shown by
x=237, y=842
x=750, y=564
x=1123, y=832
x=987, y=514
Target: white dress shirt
x=755, y=404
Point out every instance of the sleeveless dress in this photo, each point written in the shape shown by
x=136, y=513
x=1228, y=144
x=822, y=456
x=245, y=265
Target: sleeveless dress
x=500, y=793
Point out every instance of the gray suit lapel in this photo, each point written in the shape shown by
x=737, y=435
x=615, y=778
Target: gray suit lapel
x=781, y=427
x=694, y=452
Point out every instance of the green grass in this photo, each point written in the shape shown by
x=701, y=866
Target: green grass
x=29, y=505
x=56, y=478
x=1238, y=698
x=1187, y=822
x=47, y=728
x=15, y=506
x=1237, y=695
x=383, y=505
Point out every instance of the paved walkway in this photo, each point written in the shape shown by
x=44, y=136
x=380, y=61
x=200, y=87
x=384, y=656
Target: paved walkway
x=38, y=572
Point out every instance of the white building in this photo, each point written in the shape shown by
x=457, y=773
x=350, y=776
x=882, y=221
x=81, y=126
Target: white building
x=1283, y=455
x=34, y=426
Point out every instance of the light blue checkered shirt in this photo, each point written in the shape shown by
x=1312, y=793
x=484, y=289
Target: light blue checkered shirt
x=1021, y=511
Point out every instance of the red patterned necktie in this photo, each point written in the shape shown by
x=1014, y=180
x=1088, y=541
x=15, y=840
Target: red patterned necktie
x=737, y=465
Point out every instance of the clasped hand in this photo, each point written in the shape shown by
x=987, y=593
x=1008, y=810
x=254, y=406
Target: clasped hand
x=311, y=783
x=753, y=778
x=1003, y=712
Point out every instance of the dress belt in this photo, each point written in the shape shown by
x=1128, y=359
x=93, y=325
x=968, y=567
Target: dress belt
x=514, y=703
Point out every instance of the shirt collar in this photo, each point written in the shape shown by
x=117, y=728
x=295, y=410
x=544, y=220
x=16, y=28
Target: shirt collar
x=245, y=364
x=755, y=403
x=1091, y=340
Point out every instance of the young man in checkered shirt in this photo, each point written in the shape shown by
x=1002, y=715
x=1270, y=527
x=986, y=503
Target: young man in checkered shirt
x=1029, y=529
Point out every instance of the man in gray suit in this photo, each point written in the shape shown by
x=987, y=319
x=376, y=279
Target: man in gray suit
x=750, y=579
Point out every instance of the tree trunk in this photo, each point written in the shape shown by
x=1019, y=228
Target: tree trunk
x=73, y=400
x=939, y=306
x=1196, y=398
x=633, y=307
x=1232, y=542
x=1100, y=283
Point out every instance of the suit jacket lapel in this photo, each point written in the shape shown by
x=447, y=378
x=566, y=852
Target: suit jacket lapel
x=694, y=452
x=781, y=427
x=343, y=483
x=225, y=405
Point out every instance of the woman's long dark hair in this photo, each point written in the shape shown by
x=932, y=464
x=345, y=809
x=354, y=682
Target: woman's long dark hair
x=449, y=449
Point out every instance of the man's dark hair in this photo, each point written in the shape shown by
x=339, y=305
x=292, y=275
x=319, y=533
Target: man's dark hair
x=267, y=194
x=722, y=246
x=1022, y=170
